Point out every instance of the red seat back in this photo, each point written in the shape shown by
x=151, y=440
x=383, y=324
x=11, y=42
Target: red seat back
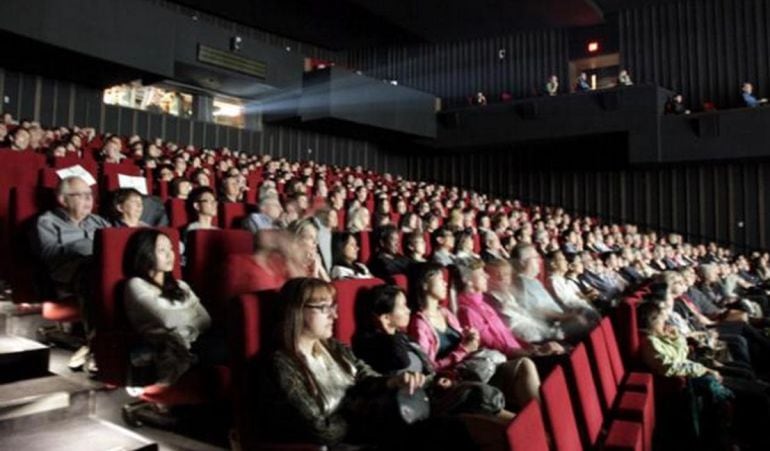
x=231, y=214
x=177, y=213
x=527, y=431
x=559, y=411
x=589, y=408
x=25, y=272
x=607, y=385
x=348, y=292
x=402, y=281
x=628, y=331
x=207, y=250
x=112, y=335
x=618, y=370
x=364, y=244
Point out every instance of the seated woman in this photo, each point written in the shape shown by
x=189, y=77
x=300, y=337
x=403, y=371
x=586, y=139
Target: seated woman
x=314, y=388
x=345, y=258
x=566, y=291
x=447, y=344
x=665, y=352
x=359, y=220
x=305, y=249
x=164, y=311
x=477, y=314
x=464, y=246
x=127, y=208
x=382, y=316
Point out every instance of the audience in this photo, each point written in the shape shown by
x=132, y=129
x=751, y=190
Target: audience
x=345, y=256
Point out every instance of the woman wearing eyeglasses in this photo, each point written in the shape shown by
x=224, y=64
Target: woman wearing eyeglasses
x=315, y=389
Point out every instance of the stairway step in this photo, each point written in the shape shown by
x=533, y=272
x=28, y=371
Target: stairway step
x=86, y=433
x=22, y=358
x=37, y=402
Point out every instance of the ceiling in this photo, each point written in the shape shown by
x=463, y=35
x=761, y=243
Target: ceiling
x=350, y=24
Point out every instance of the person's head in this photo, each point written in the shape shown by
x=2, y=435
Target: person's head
x=428, y=286
x=344, y=248
x=360, y=219
x=230, y=187
x=526, y=260
x=327, y=217
x=20, y=139
x=651, y=316
x=75, y=196
x=464, y=241
x=747, y=87
x=150, y=256
x=557, y=263
x=179, y=188
x=308, y=311
x=271, y=207
x=443, y=239
x=471, y=277
x=383, y=308
x=414, y=244
x=389, y=240
x=708, y=273
x=500, y=274
x=583, y=76
x=164, y=173
x=203, y=202
x=305, y=234
x=127, y=206
x=201, y=178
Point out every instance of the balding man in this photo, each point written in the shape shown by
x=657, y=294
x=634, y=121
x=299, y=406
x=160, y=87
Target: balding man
x=65, y=235
x=533, y=296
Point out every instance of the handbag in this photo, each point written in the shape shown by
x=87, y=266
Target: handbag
x=413, y=407
x=480, y=365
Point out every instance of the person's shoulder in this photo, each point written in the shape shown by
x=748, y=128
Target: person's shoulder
x=98, y=220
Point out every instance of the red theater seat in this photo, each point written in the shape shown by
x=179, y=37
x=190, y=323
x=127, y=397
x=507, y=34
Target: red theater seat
x=207, y=250
x=527, y=431
x=177, y=213
x=232, y=214
x=348, y=292
x=365, y=246
x=635, y=381
x=636, y=406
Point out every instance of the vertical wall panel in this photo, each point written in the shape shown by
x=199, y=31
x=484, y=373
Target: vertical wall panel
x=456, y=70
x=703, y=48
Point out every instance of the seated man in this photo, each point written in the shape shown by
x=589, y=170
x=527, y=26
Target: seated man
x=65, y=235
x=533, y=296
x=524, y=326
x=270, y=210
x=747, y=93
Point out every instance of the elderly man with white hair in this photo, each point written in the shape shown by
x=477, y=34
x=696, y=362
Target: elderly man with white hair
x=65, y=235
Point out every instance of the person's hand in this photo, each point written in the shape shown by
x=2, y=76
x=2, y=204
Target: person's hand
x=409, y=380
x=470, y=339
x=550, y=348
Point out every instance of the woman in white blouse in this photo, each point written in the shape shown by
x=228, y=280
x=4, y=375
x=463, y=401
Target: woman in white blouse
x=162, y=310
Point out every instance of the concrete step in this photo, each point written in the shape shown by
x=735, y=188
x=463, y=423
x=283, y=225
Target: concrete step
x=22, y=358
x=36, y=402
x=83, y=433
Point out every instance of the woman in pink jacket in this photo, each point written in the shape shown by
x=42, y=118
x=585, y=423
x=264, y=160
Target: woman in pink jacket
x=474, y=312
x=446, y=343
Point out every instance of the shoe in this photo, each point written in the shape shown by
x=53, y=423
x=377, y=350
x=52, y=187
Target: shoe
x=78, y=359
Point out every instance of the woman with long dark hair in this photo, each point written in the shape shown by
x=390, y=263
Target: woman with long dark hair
x=162, y=310
x=345, y=264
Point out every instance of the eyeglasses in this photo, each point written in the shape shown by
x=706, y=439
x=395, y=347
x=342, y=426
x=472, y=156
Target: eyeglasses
x=84, y=195
x=326, y=309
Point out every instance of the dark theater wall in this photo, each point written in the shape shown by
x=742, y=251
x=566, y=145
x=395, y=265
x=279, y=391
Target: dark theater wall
x=456, y=70
x=703, y=48
x=63, y=103
x=724, y=201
